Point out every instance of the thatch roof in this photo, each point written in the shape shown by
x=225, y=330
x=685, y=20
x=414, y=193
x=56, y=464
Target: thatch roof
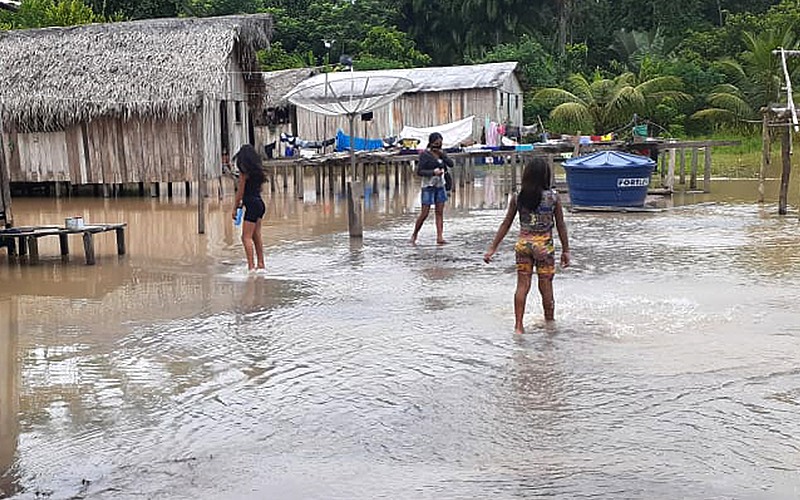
x=53, y=77
x=436, y=79
x=279, y=83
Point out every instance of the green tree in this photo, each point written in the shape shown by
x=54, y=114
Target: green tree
x=44, y=13
x=755, y=79
x=601, y=105
x=389, y=48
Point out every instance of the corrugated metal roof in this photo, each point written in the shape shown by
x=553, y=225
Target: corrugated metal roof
x=437, y=79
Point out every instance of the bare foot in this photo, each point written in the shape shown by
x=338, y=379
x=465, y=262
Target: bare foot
x=519, y=330
x=441, y=242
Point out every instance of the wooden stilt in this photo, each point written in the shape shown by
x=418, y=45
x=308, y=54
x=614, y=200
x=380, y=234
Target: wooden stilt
x=707, y=171
x=63, y=243
x=670, y=181
x=765, y=155
x=169, y=190
x=355, y=212
x=120, y=241
x=188, y=189
x=693, y=172
x=33, y=249
x=88, y=248
x=682, y=173
x=387, y=176
x=786, y=168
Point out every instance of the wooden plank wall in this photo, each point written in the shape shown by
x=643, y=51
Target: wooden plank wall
x=268, y=135
x=422, y=109
x=106, y=151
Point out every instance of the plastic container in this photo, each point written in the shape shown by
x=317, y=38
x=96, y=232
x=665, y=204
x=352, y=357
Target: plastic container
x=608, y=179
x=239, y=216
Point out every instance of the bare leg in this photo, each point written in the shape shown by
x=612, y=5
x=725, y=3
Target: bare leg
x=520, y=296
x=247, y=240
x=258, y=242
x=548, y=303
x=422, y=216
x=439, y=212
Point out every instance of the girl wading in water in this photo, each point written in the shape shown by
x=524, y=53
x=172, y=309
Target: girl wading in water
x=248, y=195
x=539, y=209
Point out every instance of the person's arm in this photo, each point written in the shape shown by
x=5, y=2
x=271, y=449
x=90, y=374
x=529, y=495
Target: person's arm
x=561, y=227
x=502, y=231
x=428, y=165
x=239, y=193
x=447, y=160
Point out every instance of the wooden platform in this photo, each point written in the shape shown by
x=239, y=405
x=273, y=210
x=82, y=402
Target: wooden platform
x=24, y=241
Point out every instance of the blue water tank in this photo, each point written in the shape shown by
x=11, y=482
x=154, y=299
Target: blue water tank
x=608, y=179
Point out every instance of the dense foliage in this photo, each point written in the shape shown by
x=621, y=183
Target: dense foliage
x=690, y=65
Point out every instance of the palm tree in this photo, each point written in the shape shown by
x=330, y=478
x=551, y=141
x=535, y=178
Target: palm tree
x=756, y=79
x=604, y=104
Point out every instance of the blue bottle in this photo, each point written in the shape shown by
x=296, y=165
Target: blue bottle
x=239, y=215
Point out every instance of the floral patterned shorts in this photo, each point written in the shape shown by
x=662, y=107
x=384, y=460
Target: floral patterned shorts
x=536, y=249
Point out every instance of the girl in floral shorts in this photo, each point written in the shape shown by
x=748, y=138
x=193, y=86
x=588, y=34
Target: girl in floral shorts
x=539, y=209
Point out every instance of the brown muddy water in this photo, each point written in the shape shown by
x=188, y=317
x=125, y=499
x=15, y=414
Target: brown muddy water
x=373, y=369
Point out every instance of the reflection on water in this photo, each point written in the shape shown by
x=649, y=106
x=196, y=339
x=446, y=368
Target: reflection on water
x=370, y=368
x=9, y=404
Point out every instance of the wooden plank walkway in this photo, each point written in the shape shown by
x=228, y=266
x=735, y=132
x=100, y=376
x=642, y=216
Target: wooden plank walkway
x=22, y=241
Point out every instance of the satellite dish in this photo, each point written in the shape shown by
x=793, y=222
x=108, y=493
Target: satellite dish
x=338, y=94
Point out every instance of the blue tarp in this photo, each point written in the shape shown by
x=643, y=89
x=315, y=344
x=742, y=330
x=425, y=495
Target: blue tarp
x=361, y=144
x=609, y=159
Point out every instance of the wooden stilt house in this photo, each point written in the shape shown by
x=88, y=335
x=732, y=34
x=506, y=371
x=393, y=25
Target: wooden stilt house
x=145, y=101
x=490, y=92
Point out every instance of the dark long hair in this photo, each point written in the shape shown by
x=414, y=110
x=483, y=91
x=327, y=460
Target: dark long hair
x=535, y=180
x=249, y=162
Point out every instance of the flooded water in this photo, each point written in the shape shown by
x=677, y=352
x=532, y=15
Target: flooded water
x=374, y=369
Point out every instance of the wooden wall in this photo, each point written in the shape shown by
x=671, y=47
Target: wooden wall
x=106, y=151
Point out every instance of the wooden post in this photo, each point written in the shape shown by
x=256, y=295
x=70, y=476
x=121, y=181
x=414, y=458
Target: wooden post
x=299, y=173
x=707, y=171
x=396, y=175
x=682, y=174
x=5, y=176
x=169, y=190
x=88, y=247
x=693, y=172
x=63, y=243
x=317, y=181
x=670, y=183
x=200, y=161
x=765, y=154
x=386, y=175
x=786, y=167
x=187, y=186
x=120, y=240
x=374, y=178
x=33, y=249
x=355, y=209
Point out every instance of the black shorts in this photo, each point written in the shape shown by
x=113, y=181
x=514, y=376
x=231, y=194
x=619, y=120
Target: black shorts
x=254, y=208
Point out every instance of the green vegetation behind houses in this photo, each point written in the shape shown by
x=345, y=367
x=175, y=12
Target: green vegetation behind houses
x=695, y=68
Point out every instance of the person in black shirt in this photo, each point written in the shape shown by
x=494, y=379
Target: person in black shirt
x=432, y=166
x=248, y=195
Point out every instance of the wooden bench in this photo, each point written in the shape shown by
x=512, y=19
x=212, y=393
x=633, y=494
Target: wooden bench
x=25, y=240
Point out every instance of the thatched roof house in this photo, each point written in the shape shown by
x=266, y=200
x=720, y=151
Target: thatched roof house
x=439, y=95
x=129, y=102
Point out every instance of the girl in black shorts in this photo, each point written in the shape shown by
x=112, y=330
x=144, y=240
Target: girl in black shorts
x=248, y=195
